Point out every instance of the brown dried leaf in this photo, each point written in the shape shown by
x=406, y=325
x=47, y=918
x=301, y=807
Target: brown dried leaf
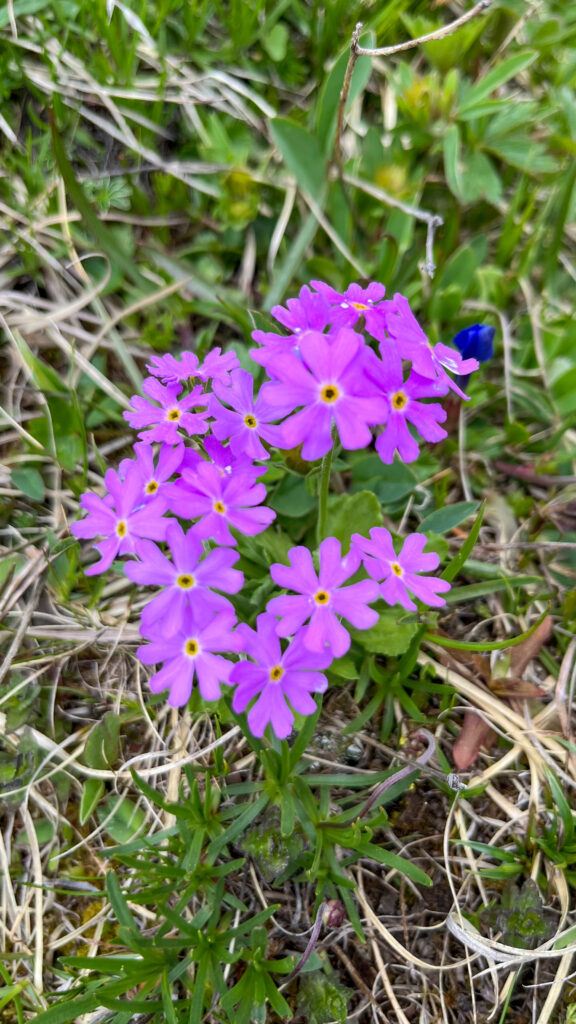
x=474, y=734
x=514, y=687
x=523, y=653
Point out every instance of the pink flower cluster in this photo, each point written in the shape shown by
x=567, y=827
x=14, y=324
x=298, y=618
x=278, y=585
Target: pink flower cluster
x=327, y=374
x=177, y=508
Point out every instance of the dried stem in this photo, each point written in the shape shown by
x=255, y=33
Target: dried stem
x=440, y=33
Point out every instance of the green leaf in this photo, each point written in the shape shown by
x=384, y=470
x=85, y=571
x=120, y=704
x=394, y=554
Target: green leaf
x=524, y=153
x=352, y=513
x=71, y=1010
x=103, y=744
x=472, y=591
x=22, y=8
x=447, y=303
x=45, y=378
x=389, y=483
x=292, y=497
x=495, y=78
x=444, y=519
x=327, y=108
x=392, y=860
x=447, y=53
x=453, y=161
x=562, y=806
x=454, y=566
x=167, y=1004
x=120, y=817
x=276, y=41
x=480, y=179
x=276, y=999
x=66, y=419
x=301, y=153
x=344, y=668
x=389, y=636
x=495, y=645
x=238, y=827
x=92, y=791
x=30, y=482
x=68, y=430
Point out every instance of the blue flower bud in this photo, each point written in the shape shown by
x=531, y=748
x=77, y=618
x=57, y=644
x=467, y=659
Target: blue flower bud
x=476, y=342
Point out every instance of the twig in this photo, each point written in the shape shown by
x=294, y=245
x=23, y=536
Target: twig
x=529, y=476
x=386, y=51
x=331, y=913
x=432, y=220
x=439, y=33
x=354, y=47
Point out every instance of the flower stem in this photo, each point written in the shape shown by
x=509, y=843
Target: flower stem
x=323, y=490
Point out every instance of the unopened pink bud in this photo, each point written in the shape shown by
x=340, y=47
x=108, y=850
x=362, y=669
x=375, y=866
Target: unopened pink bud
x=334, y=914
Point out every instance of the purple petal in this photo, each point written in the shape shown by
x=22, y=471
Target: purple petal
x=326, y=631
x=108, y=550
x=299, y=575
x=396, y=437
x=293, y=612
x=211, y=670
x=394, y=592
x=427, y=588
x=271, y=707
x=350, y=602
x=251, y=521
x=412, y=557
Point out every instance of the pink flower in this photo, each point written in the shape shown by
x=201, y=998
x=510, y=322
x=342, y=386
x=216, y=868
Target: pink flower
x=356, y=302
x=172, y=371
x=189, y=580
x=153, y=477
x=223, y=457
x=120, y=518
x=400, y=573
x=172, y=413
x=191, y=652
x=219, y=501
x=330, y=384
x=249, y=422
x=218, y=365
x=427, y=361
x=279, y=680
x=323, y=598
x=404, y=406
x=309, y=312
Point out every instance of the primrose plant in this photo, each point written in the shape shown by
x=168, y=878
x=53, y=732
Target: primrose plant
x=353, y=370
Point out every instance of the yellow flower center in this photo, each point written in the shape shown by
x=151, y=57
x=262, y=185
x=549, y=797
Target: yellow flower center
x=250, y=421
x=358, y=305
x=173, y=415
x=151, y=487
x=121, y=528
x=191, y=648
x=185, y=581
x=219, y=506
x=399, y=400
x=276, y=673
x=329, y=393
x=321, y=597
x=397, y=569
